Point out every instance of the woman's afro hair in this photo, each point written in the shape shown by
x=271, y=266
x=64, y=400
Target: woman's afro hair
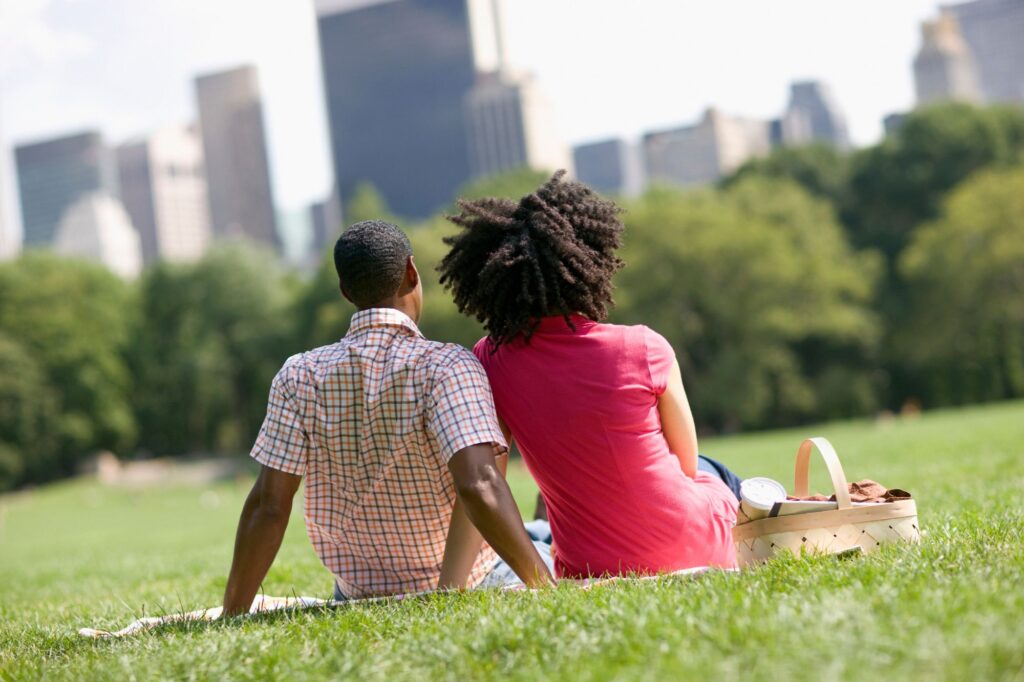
x=551, y=253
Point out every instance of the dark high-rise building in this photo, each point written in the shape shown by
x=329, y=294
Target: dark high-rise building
x=54, y=174
x=396, y=74
x=994, y=32
x=609, y=166
x=7, y=242
x=891, y=123
x=318, y=222
x=813, y=116
x=511, y=124
x=235, y=152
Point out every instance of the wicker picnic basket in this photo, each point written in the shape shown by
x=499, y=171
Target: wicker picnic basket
x=865, y=526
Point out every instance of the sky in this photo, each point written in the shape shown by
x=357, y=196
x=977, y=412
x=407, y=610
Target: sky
x=611, y=68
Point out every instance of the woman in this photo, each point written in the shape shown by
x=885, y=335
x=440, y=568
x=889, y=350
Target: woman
x=598, y=410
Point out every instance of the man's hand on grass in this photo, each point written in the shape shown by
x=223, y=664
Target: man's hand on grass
x=260, y=531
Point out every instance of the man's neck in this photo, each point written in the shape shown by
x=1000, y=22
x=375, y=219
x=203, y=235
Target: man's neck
x=399, y=304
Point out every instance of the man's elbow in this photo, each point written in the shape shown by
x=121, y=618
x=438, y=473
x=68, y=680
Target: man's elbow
x=480, y=488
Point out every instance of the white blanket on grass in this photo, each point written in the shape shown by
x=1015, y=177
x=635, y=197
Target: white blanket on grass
x=263, y=604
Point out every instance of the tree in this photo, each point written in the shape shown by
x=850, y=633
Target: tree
x=900, y=183
x=210, y=339
x=367, y=203
x=966, y=277
x=73, y=319
x=819, y=168
x=29, y=425
x=752, y=286
x=441, y=320
x=321, y=313
x=511, y=184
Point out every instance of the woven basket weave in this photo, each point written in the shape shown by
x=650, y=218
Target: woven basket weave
x=846, y=528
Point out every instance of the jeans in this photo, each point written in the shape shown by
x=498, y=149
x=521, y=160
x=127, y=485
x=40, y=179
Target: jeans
x=708, y=465
x=502, y=574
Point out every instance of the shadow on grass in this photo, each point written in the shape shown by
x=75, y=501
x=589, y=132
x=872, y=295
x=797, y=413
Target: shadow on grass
x=185, y=623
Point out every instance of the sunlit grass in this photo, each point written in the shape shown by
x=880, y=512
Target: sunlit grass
x=79, y=554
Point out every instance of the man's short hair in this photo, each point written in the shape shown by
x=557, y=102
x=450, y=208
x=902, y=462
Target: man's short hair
x=370, y=258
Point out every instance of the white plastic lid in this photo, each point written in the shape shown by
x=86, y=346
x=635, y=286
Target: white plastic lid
x=761, y=493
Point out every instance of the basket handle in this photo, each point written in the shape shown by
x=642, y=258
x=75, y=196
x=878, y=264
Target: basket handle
x=835, y=470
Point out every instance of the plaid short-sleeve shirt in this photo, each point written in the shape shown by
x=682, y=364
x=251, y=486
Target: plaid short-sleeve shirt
x=371, y=422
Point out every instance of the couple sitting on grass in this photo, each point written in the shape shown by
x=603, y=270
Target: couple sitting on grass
x=404, y=453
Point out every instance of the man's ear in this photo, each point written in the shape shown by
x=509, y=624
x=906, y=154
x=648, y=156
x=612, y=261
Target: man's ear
x=341, y=288
x=412, y=275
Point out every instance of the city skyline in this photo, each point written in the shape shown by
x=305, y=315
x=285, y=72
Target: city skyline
x=75, y=53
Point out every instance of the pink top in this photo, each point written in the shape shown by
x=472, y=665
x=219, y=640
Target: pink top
x=583, y=407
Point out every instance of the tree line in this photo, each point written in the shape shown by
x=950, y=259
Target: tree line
x=810, y=284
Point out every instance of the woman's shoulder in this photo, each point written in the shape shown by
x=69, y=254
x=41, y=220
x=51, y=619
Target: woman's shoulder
x=636, y=333
x=483, y=348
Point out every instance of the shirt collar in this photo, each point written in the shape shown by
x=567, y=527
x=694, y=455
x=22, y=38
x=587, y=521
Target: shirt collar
x=556, y=324
x=382, y=317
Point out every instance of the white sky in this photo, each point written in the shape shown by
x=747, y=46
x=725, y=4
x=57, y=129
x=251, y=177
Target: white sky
x=610, y=67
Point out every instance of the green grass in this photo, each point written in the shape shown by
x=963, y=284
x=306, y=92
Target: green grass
x=78, y=554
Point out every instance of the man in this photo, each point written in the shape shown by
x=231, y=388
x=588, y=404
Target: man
x=397, y=438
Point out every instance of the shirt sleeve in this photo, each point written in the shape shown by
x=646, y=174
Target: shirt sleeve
x=660, y=358
x=461, y=410
x=283, y=443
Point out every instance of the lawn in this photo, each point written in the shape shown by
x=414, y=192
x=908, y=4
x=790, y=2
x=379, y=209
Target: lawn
x=78, y=554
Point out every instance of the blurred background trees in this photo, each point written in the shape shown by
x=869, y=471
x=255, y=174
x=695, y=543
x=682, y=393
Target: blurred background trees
x=765, y=303
x=66, y=382
x=208, y=340
x=811, y=284
x=965, y=278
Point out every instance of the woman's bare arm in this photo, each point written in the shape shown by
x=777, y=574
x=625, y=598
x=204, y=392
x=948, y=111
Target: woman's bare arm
x=677, y=422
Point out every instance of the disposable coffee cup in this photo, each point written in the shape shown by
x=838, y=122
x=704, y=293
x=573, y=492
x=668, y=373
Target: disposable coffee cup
x=758, y=495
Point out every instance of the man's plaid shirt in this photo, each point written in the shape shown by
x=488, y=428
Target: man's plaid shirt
x=371, y=422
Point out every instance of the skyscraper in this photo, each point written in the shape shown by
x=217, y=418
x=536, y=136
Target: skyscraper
x=235, y=151
x=944, y=67
x=994, y=32
x=326, y=224
x=704, y=152
x=97, y=228
x=7, y=242
x=814, y=116
x=511, y=124
x=396, y=75
x=163, y=188
x=609, y=166
x=53, y=174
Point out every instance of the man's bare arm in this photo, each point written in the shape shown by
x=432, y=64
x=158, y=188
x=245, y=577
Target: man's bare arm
x=260, y=531
x=488, y=503
x=463, y=544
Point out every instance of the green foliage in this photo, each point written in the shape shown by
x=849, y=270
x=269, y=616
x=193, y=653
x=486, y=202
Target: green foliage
x=819, y=168
x=775, y=319
x=210, y=338
x=321, y=313
x=900, y=183
x=29, y=421
x=966, y=277
x=441, y=320
x=739, y=281
x=367, y=204
x=72, y=319
x=508, y=185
